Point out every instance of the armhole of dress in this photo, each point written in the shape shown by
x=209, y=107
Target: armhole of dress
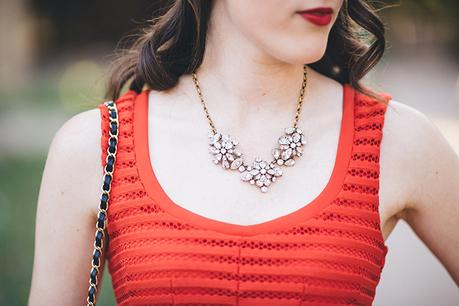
x=369, y=124
x=384, y=106
x=388, y=98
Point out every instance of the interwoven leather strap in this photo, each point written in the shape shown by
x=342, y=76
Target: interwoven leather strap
x=104, y=199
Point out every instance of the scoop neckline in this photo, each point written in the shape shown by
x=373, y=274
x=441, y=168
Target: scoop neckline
x=155, y=191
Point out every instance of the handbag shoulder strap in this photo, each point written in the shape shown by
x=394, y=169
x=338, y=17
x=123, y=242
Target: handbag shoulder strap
x=104, y=199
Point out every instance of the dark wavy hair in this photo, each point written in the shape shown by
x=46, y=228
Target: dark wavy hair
x=173, y=44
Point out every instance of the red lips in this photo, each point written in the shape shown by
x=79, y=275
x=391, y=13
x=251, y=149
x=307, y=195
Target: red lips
x=319, y=16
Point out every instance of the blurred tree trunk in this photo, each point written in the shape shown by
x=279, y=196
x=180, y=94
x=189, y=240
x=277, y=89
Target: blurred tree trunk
x=16, y=42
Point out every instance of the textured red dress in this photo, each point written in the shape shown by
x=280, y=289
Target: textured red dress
x=329, y=252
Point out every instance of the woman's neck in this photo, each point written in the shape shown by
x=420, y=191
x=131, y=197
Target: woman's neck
x=247, y=76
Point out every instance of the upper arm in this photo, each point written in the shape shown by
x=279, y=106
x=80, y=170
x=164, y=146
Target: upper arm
x=66, y=213
x=428, y=181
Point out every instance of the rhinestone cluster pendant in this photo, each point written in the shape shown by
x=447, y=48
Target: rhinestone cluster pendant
x=260, y=173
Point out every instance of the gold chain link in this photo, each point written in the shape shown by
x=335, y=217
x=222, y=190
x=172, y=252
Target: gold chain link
x=301, y=97
x=298, y=109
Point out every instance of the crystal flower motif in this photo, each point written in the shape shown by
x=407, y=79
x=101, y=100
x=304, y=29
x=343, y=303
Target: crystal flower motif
x=290, y=145
x=261, y=174
x=224, y=151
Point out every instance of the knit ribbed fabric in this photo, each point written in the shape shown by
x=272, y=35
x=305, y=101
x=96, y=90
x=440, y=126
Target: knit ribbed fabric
x=329, y=252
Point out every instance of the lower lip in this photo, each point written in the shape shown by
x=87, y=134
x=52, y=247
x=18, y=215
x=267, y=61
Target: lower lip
x=322, y=19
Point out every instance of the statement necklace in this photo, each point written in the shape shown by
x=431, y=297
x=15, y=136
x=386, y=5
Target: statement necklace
x=260, y=173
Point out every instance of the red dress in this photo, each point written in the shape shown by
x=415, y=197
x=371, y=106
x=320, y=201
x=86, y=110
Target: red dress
x=329, y=252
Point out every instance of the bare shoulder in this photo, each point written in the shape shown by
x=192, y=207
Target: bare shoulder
x=74, y=160
x=415, y=157
x=420, y=173
x=66, y=212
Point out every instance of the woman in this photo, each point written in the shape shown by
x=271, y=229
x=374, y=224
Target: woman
x=295, y=212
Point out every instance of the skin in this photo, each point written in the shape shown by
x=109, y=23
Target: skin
x=250, y=67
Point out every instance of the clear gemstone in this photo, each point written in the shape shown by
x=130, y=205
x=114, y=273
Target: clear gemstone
x=213, y=150
x=264, y=189
x=236, y=163
x=218, y=145
x=241, y=168
x=299, y=151
x=263, y=164
x=296, y=137
x=259, y=183
x=289, y=162
x=286, y=154
x=237, y=152
x=246, y=176
x=280, y=162
x=303, y=139
x=214, y=138
x=284, y=140
x=228, y=145
x=276, y=153
x=218, y=156
x=252, y=181
x=289, y=130
x=284, y=146
x=225, y=164
x=278, y=172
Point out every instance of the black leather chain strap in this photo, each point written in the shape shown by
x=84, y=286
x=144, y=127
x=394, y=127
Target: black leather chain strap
x=104, y=199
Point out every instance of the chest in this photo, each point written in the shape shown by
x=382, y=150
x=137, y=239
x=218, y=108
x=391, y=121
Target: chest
x=183, y=167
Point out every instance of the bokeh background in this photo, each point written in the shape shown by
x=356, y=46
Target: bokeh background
x=54, y=57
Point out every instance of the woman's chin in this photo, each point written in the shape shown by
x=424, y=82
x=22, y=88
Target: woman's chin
x=300, y=56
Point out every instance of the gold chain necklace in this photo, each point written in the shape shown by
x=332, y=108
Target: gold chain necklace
x=260, y=173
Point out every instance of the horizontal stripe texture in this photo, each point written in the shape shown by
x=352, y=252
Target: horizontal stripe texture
x=334, y=258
